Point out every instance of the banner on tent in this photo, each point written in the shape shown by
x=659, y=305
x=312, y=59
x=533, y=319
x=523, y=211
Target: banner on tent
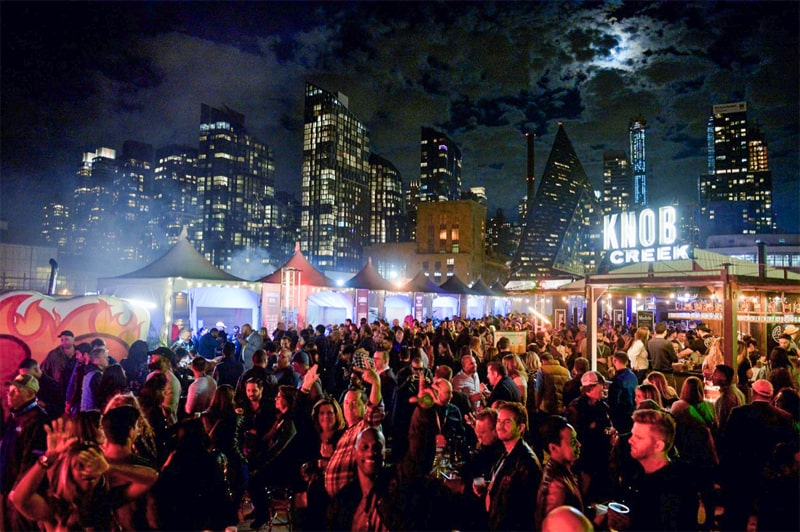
x=362, y=304
x=419, y=306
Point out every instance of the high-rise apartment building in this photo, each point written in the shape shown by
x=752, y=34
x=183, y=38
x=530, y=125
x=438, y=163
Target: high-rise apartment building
x=561, y=233
x=735, y=196
x=411, y=192
x=440, y=167
x=387, y=214
x=174, y=195
x=500, y=237
x=287, y=232
x=478, y=194
x=617, y=182
x=56, y=223
x=131, y=199
x=92, y=227
x=335, y=182
x=636, y=133
x=236, y=181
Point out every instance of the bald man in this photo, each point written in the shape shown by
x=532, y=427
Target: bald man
x=566, y=518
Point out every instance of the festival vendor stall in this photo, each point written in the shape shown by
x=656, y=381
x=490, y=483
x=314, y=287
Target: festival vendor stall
x=183, y=273
x=733, y=297
x=370, y=294
x=454, y=300
x=298, y=293
x=422, y=291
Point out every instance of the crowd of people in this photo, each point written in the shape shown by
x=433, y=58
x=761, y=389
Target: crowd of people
x=406, y=426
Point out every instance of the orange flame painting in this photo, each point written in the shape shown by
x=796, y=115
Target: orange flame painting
x=31, y=321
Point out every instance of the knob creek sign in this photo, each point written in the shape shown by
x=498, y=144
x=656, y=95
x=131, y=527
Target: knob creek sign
x=646, y=236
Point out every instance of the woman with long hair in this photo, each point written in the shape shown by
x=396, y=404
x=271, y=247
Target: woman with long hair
x=151, y=399
x=667, y=392
x=647, y=391
x=85, y=427
x=517, y=373
x=444, y=355
x=693, y=393
x=744, y=370
x=223, y=426
x=637, y=352
x=77, y=494
x=712, y=359
x=328, y=421
x=144, y=444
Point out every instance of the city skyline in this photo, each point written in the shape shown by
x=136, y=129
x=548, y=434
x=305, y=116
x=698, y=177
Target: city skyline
x=141, y=72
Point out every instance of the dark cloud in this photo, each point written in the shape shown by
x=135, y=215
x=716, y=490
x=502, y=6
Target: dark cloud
x=76, y=76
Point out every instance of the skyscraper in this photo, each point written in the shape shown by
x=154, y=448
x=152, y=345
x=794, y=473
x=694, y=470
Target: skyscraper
x=335, y=182
x=440, y=167
x=92, y=227
x=387, y=215
x=617, y=182
x=735, y=196
x=636, y=133
x=411, y=192
x=287, y=226
x=174, y=195
x=561, y=230
x=131, y=200
x=236, y=181
x=56, y=223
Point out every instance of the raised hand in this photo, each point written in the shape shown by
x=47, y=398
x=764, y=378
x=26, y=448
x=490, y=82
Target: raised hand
x=94, y=461
x=59, y=436
x=310, y=377
x=368, y=374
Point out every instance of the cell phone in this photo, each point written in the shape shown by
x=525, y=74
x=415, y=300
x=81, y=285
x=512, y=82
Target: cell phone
x=361, y=359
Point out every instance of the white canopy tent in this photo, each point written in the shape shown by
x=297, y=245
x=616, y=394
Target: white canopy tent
x=183, y=269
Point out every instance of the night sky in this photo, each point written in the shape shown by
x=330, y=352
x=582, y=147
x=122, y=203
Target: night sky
x=77, y=76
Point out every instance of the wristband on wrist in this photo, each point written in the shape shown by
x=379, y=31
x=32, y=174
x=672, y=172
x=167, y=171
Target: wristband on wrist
x=44, y=461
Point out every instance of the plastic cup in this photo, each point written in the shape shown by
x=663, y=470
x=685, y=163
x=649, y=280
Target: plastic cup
x=619, y=508
x=479, y=483
x=616, y=508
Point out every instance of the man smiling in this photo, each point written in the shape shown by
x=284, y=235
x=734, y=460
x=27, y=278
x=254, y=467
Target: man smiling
x=511, y=496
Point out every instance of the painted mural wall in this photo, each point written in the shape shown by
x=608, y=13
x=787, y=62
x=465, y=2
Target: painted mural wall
x=31, y=321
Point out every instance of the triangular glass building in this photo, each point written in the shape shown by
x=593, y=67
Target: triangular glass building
x=563, y=226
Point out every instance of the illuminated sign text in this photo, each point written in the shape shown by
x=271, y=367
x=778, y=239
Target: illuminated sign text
x=643, y=236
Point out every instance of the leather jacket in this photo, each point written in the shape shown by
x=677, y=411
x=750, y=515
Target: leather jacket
x=512, y=492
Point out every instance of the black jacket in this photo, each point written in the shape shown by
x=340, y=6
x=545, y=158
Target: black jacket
x=512, y=493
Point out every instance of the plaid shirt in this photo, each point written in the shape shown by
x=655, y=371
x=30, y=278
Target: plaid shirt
x=341, y=467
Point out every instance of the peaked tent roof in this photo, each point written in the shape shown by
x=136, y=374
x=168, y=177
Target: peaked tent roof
x=498, y=289
x=454, y=285
x=481, y=288
x=422, y=283
x=309, y=275
x=181, y=260
x=369, y=278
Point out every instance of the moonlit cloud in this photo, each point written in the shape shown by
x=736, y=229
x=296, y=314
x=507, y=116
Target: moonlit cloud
x=482, y=72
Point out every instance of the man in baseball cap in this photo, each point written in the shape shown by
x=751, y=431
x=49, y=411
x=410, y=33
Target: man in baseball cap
x=25, y=382
x=590, y=416
x=24, y=440
x=752, y=433
x=59, y=362
x=763, y=390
